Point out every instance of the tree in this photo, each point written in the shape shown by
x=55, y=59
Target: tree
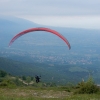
x=23, y=77
x=2, y=73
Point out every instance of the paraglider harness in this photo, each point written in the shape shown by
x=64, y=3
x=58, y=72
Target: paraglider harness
x=37, y=78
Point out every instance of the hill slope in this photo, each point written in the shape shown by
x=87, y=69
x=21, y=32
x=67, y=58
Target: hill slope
x=56, y=73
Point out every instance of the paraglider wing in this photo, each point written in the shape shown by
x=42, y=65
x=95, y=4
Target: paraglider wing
x=40, y=29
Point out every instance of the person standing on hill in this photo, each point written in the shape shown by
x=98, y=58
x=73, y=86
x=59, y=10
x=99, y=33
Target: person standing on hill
x=37, y=79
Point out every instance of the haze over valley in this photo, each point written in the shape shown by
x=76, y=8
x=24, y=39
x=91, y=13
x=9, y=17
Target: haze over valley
x=46, y=48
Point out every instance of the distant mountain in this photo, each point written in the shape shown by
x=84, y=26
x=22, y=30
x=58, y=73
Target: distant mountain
x=45, y=49
x=41, y=46
x=82, y=41
x=9, y=26
x=14, y=24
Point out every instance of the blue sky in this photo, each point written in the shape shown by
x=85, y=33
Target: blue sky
x=64, y=13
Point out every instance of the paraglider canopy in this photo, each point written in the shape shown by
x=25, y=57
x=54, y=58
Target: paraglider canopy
x=40, y=29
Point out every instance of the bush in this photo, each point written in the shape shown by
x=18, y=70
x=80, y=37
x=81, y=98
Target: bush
x=7, y=83
x=87, y=87
x=2, y=73
x=3, y=84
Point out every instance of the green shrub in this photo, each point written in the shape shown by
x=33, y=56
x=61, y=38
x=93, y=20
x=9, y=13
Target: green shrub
x=87, y=87
x=3, y=84
x=7, y=83
x=2, y=73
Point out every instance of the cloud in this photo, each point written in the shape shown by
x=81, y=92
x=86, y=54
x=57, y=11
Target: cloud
x=50, y=7
x=55, y=12
x=87, y=22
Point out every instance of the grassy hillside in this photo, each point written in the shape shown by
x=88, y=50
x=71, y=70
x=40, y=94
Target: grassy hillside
x=43, y=94
x=60, y=74
x=14, y=88
x=48, y=93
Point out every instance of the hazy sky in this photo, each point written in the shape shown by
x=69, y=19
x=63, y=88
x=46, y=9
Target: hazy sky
x=65, y=13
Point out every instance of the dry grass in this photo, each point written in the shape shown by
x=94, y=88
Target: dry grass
x=30, y=93
x=23, y=92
